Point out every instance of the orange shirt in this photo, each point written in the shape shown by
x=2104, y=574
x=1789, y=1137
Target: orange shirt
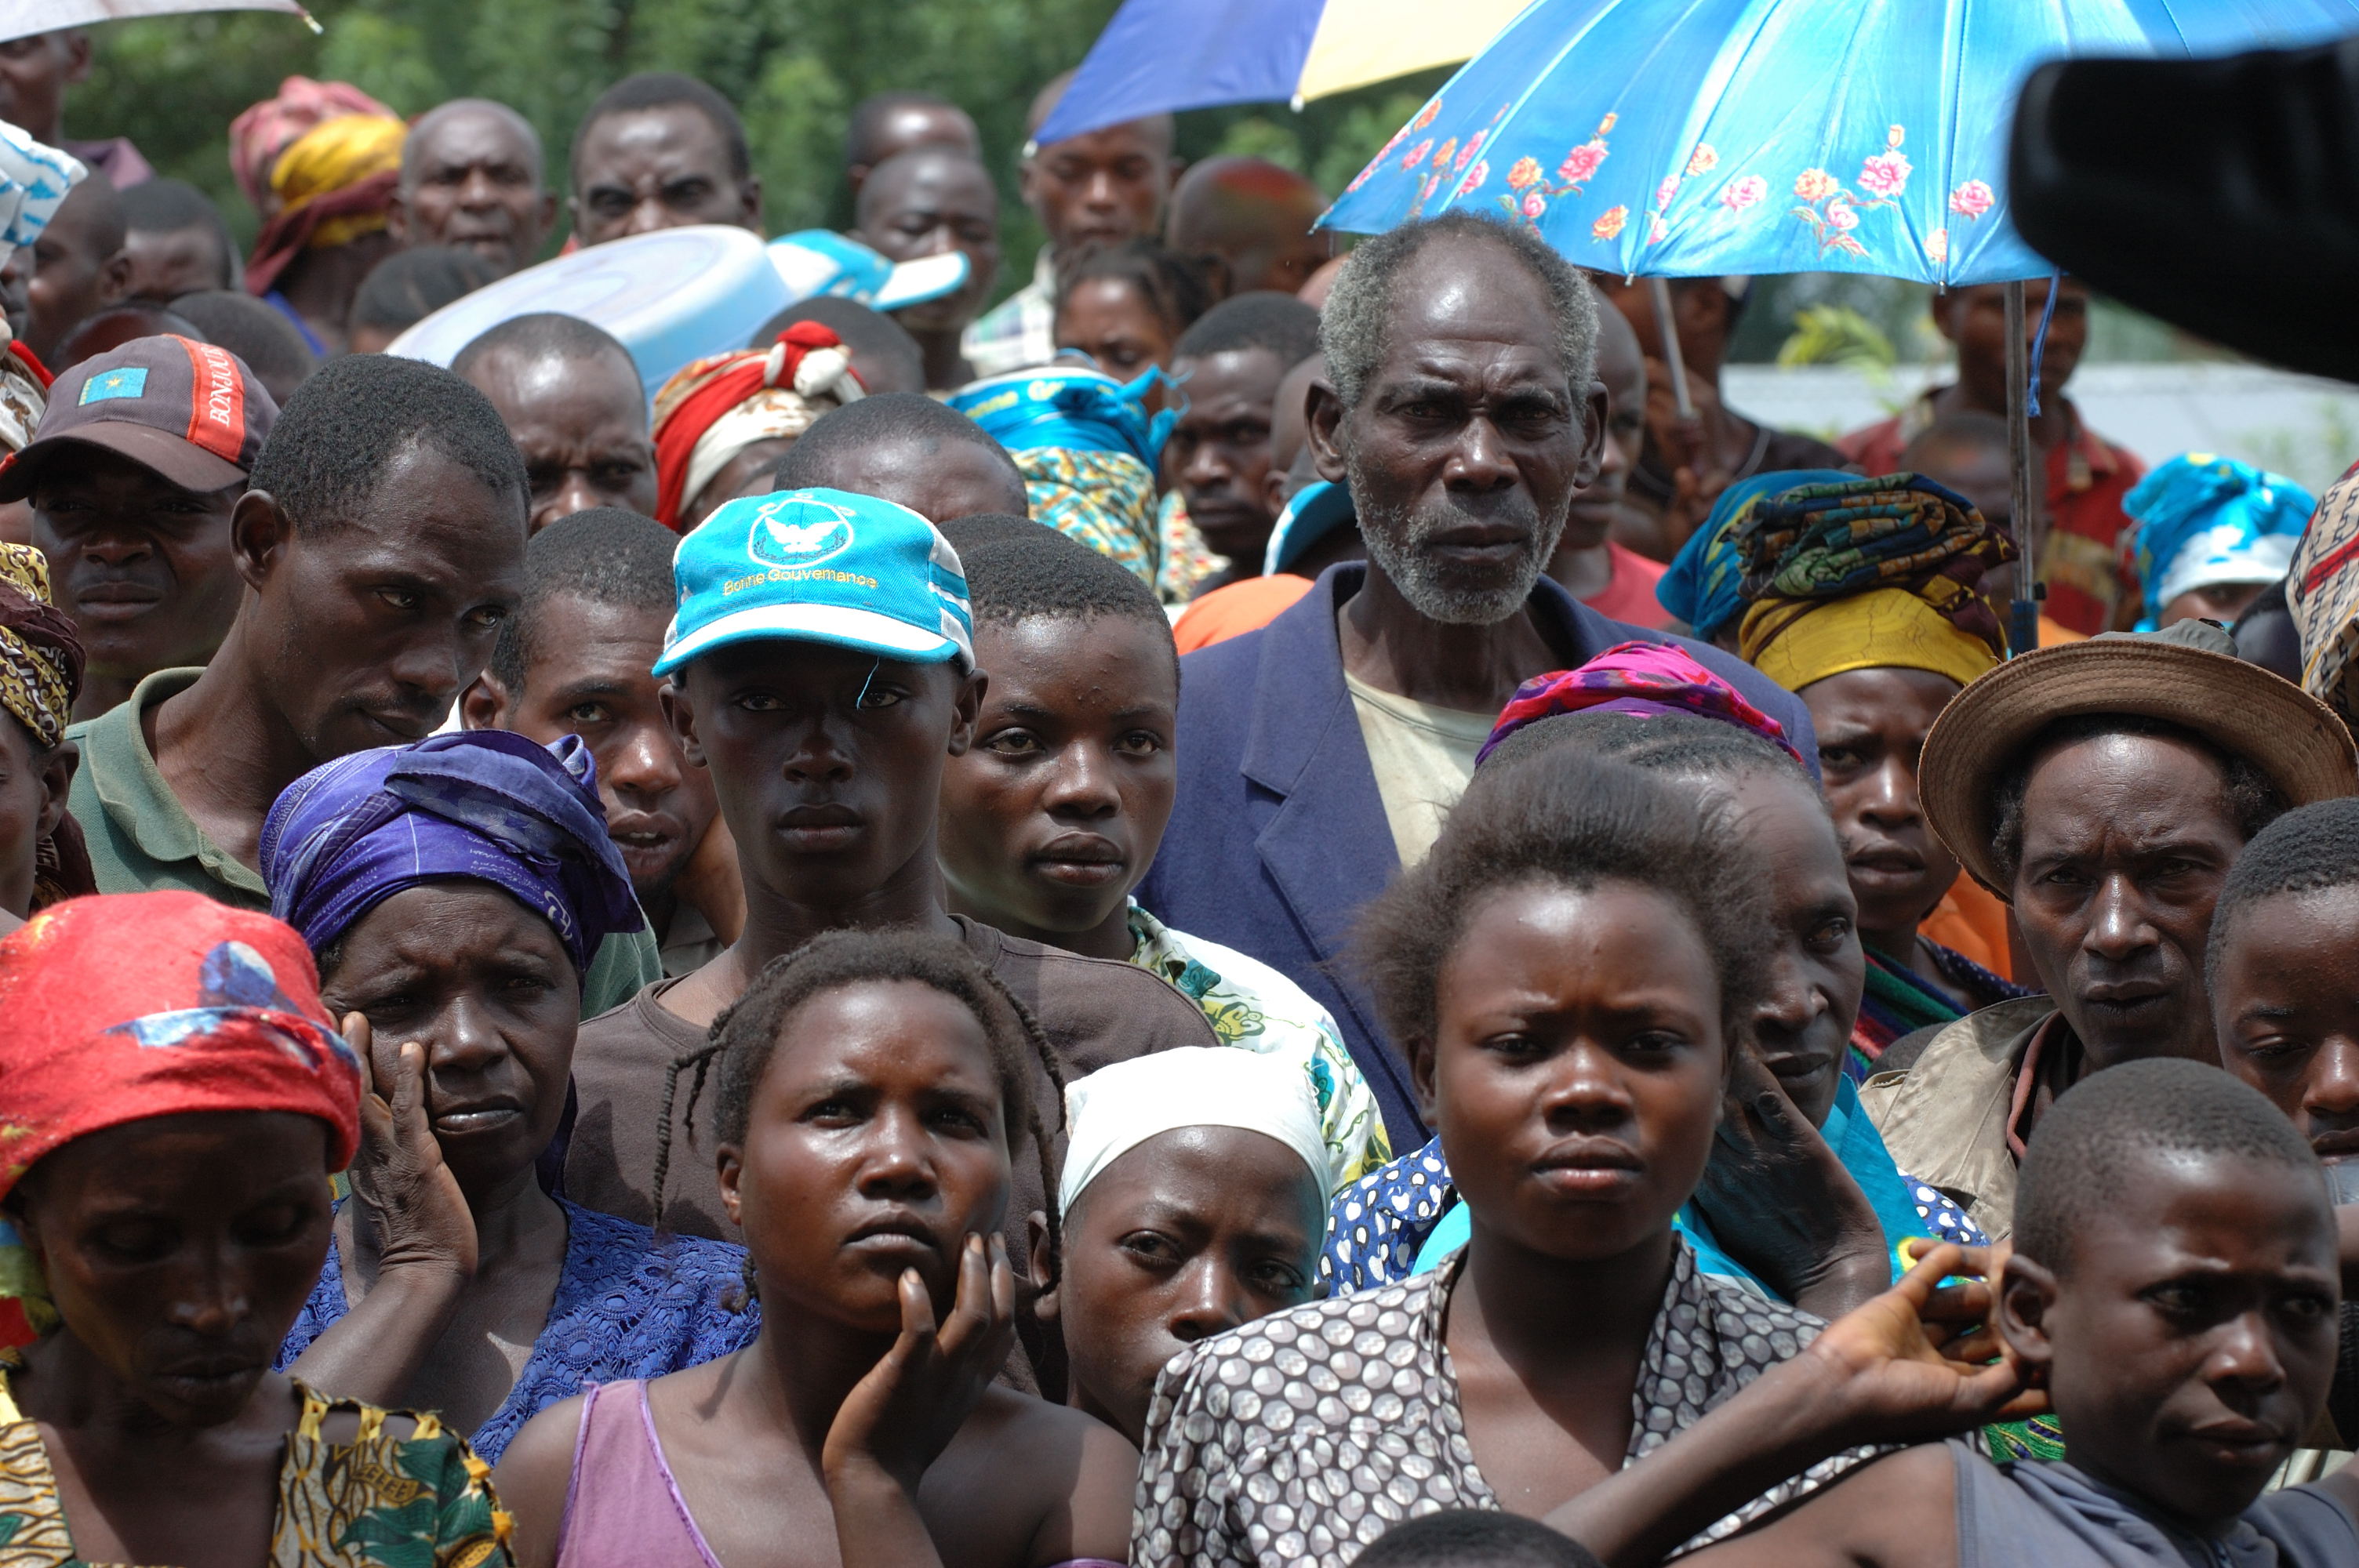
x=1234, y=611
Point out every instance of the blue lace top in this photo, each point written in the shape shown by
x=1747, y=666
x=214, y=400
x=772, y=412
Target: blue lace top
x=627, y=1306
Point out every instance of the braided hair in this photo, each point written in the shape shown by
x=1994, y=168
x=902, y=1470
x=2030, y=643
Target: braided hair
x=744, y=1037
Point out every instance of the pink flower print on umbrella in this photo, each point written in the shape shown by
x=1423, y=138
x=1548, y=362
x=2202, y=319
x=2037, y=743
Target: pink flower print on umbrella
x=1525, y=174
x=1534, y=205
x=1448, y=150
x=1885, y=173
x=1579, y=165
x=1415, y=155
x=1972, y=199
x=1665, y=192
x=1739, y=194
x=1816, y=185
x=1937, y=247
x=1426, y=116
x=1842, y=215
x=1609, y=223
x=1658, y=230
x=1473, y=180
x=1472, y=144
x=1704, y=160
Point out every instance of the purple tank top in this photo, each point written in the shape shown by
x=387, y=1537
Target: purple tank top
x=632, y=1514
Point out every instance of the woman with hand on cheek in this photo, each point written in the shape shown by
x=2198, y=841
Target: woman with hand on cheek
x=873, y=1089
x=1193, y=1199
x=454, y=891
x=177, y=1101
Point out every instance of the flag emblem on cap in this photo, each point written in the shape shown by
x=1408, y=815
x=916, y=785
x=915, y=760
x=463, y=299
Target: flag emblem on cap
x=799, y=530
x=131, y=381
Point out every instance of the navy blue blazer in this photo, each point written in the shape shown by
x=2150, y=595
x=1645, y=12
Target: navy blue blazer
x=1278, y=835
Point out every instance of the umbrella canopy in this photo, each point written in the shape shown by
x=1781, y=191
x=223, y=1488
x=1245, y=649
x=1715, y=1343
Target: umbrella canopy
x=1693, y=137
x=23, y=19
x=1160, y=55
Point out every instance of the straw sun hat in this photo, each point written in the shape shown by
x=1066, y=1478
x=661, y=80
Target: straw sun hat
x=2174, y=675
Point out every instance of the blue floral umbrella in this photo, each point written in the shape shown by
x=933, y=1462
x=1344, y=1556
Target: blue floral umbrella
x=1693, y=138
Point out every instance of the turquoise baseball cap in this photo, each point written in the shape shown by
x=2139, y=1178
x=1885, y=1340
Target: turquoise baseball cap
x=814, y=262
x=819, y=566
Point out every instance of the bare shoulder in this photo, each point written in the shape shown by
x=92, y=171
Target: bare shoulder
x=532, y=1478
x=1899, y=1511
x=1054, y=1479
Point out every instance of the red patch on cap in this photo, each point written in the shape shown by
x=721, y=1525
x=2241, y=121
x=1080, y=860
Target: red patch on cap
x=217, y=409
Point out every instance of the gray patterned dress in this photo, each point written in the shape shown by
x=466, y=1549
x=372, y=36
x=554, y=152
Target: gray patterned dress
x=1301, y=1438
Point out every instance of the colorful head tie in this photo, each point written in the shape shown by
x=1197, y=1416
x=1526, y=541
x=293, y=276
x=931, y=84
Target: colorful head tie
x=1640, y=678
x=714, y=408
x=2206, y=522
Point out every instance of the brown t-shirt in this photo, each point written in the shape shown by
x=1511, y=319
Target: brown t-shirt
x=1094, y=1011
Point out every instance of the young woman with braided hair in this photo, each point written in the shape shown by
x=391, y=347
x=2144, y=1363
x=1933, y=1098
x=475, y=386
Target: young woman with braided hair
x=870, y=1093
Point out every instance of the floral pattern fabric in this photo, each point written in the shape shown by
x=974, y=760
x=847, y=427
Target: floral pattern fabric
x=380, y=1501
x=627, y=1305
x=1300, y=1438
x=1252, y=1005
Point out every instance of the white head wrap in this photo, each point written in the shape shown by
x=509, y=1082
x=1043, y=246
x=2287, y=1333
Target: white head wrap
x=1116, y=1108
x=33, y=179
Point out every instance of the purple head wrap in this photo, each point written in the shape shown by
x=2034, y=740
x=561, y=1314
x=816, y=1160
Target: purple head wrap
x=480, y=804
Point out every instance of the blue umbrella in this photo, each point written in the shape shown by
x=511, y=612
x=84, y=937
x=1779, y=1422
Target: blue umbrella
x=1160, y=55
x=1693, y=138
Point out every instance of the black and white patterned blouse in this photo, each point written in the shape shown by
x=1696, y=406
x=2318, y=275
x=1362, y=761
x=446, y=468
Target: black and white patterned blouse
x=1301, y=1437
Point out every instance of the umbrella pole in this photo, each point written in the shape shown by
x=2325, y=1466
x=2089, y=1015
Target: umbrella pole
x=1662, y=292
x=2023, y=622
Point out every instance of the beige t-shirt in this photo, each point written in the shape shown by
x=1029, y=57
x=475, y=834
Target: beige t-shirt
x=1423, y=757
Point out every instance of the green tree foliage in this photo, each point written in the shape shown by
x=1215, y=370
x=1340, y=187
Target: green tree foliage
x=795, y=68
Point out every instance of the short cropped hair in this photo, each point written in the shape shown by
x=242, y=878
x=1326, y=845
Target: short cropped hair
x=604, y=555
x=1474, y=1538
x=2084, y=1154
x=409, y=286
x=668, y=90
x=871, y=335
x=1046, y=576
x=2311, y=848
x=982, y=529
x=162, y=205
x=2253, y=802
x=868, y=117
x=1263, y=319
x=1576, y=820
x=878, y=421
x=543, y=335
x=256, y=332
x=348, y=424
x=1355, y=328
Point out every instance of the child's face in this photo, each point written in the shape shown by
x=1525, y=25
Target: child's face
x=1575, y=1074
x=1109, y=319
x=1053, y=815
x=2192, y=1338
x=827, y=761
x=875, y=1143
x=2287, y=1007
x=1189, y=1235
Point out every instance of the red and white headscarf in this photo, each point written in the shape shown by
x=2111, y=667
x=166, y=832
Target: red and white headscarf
x=715, y=407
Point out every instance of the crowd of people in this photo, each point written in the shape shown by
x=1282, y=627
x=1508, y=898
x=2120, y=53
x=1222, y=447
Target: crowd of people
x=687, y=974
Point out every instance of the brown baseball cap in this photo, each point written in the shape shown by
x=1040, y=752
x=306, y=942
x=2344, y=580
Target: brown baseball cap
x=188, y=410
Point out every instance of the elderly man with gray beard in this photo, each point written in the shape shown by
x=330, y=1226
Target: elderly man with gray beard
x=1318, y=755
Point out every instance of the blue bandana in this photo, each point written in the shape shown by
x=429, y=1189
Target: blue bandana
x=1070, y=407
x=480, y=804
x=2204, y=522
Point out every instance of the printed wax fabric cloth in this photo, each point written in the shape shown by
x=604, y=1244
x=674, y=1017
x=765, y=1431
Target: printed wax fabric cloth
x=1300, y=1438
x=423, y=1501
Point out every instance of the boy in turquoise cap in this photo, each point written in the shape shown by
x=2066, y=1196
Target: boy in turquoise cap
x=821, y=666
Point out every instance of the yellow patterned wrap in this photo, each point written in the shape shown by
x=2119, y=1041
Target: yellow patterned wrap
x=1105, y=499
x=1797, y=641
x=35, y=684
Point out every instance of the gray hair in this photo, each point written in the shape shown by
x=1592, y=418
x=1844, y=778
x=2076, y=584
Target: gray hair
x=1354, y=328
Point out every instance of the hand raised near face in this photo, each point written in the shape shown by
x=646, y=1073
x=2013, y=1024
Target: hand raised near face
x=1917, y=1362
x=1780, y=1201
x=411, y=1199
x=900, y=1417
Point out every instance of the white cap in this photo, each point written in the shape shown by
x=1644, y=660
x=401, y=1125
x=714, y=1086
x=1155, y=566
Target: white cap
x=1116, y=1108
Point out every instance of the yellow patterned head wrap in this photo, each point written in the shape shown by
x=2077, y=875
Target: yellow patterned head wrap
x=333, y=155
x=40, y=652
x=1797, y=641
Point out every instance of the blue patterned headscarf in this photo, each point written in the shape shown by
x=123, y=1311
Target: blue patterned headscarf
x=1070, y=407
x=2205, y=520
x=480, y=804
x=1701, y=585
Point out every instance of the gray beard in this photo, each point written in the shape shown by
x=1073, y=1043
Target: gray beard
x=1400, y=544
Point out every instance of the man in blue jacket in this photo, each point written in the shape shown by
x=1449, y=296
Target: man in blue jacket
x=1319, y=753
